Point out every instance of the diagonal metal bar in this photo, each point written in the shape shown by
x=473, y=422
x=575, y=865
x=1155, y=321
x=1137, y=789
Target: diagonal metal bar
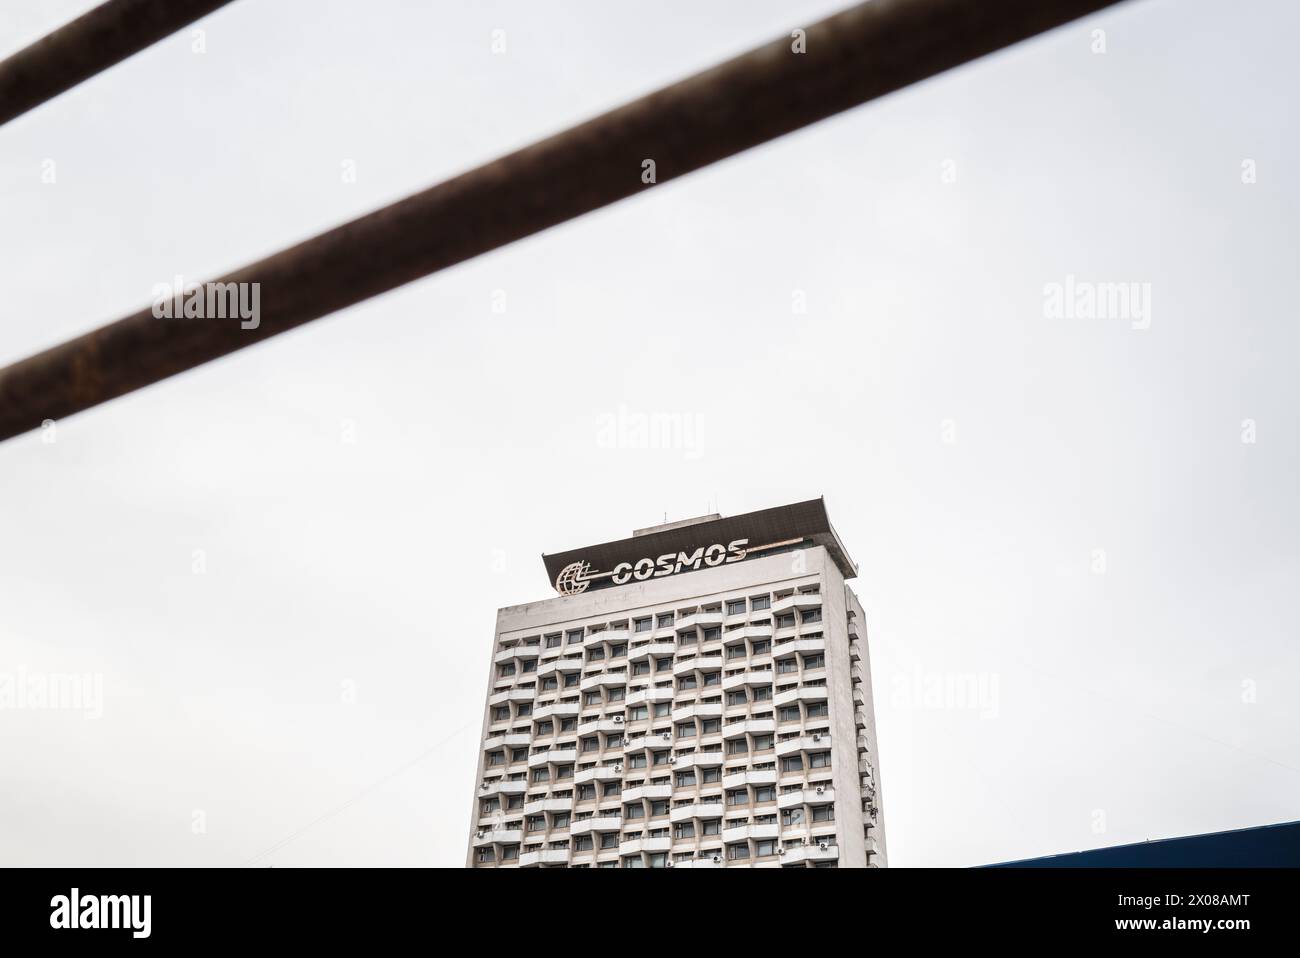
x=90, y=44
x=865, y=52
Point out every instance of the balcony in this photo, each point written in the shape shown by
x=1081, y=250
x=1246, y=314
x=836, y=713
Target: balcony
x=698, y=619
x=702, y=662
x=804, y=693
x=739, y=833
x=698, y=710
x=609, y=635
x=637, y=845
x=512, y=788
x=754, y=677
x=505, y=655
x=695, y=810
x=604, y=680
x=646, y=791
x=645, y=696
x=598, y=773
x=556, y=710
x=558, y=756
x=817, y=742
x=545, y=856
x=817, y=795
x=653, y=650
x=750, y=727
x=800, y=601
x=786, y=649
x=548, y=805
x=697, y=863
x=491, y=836
x=709, y=759
x=750, y=776
x=855, y=651
x=597, y=823
x=655, y=741
x=601, y=725
x=808, y=853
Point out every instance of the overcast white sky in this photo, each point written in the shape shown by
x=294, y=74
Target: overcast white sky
x=1155, y=698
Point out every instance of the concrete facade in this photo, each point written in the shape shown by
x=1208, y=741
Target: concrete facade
x=713, y=718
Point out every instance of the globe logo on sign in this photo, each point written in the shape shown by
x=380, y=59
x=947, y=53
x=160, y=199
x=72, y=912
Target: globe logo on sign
x=572, y=579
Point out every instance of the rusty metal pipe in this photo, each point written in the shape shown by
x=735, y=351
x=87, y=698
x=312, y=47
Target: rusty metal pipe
x=850, y=58
x=90, y=44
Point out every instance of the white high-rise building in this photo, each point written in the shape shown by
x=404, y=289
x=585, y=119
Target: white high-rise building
x=697, y=696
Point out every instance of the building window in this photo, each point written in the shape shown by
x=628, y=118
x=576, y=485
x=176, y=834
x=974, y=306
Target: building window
x=712, y=678
x=505, y=670
x=509, y=853
x=792, y=763
x=711, y=826
x=711, y=775
x=737, y=746
x=685, y=729
x=644, y=625
x=595, y=654
x=818, y=710
x=609, y=839
x=664, y=664
x=814, y=661
x=501, y=713
x=812, y=615
x=487, y=854
x=736, y=607
x=663, y=708
x=684, y=830
x=819, y=760
x=736, y=651
x=764, y=848
x=685, y=779
x=541, y=774
x=583, y=843
x=711, y=726
x=737, y=698
x=658, y=807
x=553, y=641
x=738, y=796
x=574, y=636
x=633, y=811
x=496, y=758
x=712, y=633
x=760, y=602
x=665, y=619
x=638, y=713
x=763, y=693
x=587, y=793
x=640, y=668
x=823, y=813
x=738, y=851
x=765, y=793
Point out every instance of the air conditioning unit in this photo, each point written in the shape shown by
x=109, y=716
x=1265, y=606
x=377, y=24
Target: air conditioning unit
x=618, y=768
x=823, y=846
x=821, y=789
x=717, y=859
x=667, y=736
x=479, y=834
x=669, y=865
x=780, y=851
x=619, y=719
x=817, y=737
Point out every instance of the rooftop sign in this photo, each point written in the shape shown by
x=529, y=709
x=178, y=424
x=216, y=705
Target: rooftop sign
x=699, y=545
